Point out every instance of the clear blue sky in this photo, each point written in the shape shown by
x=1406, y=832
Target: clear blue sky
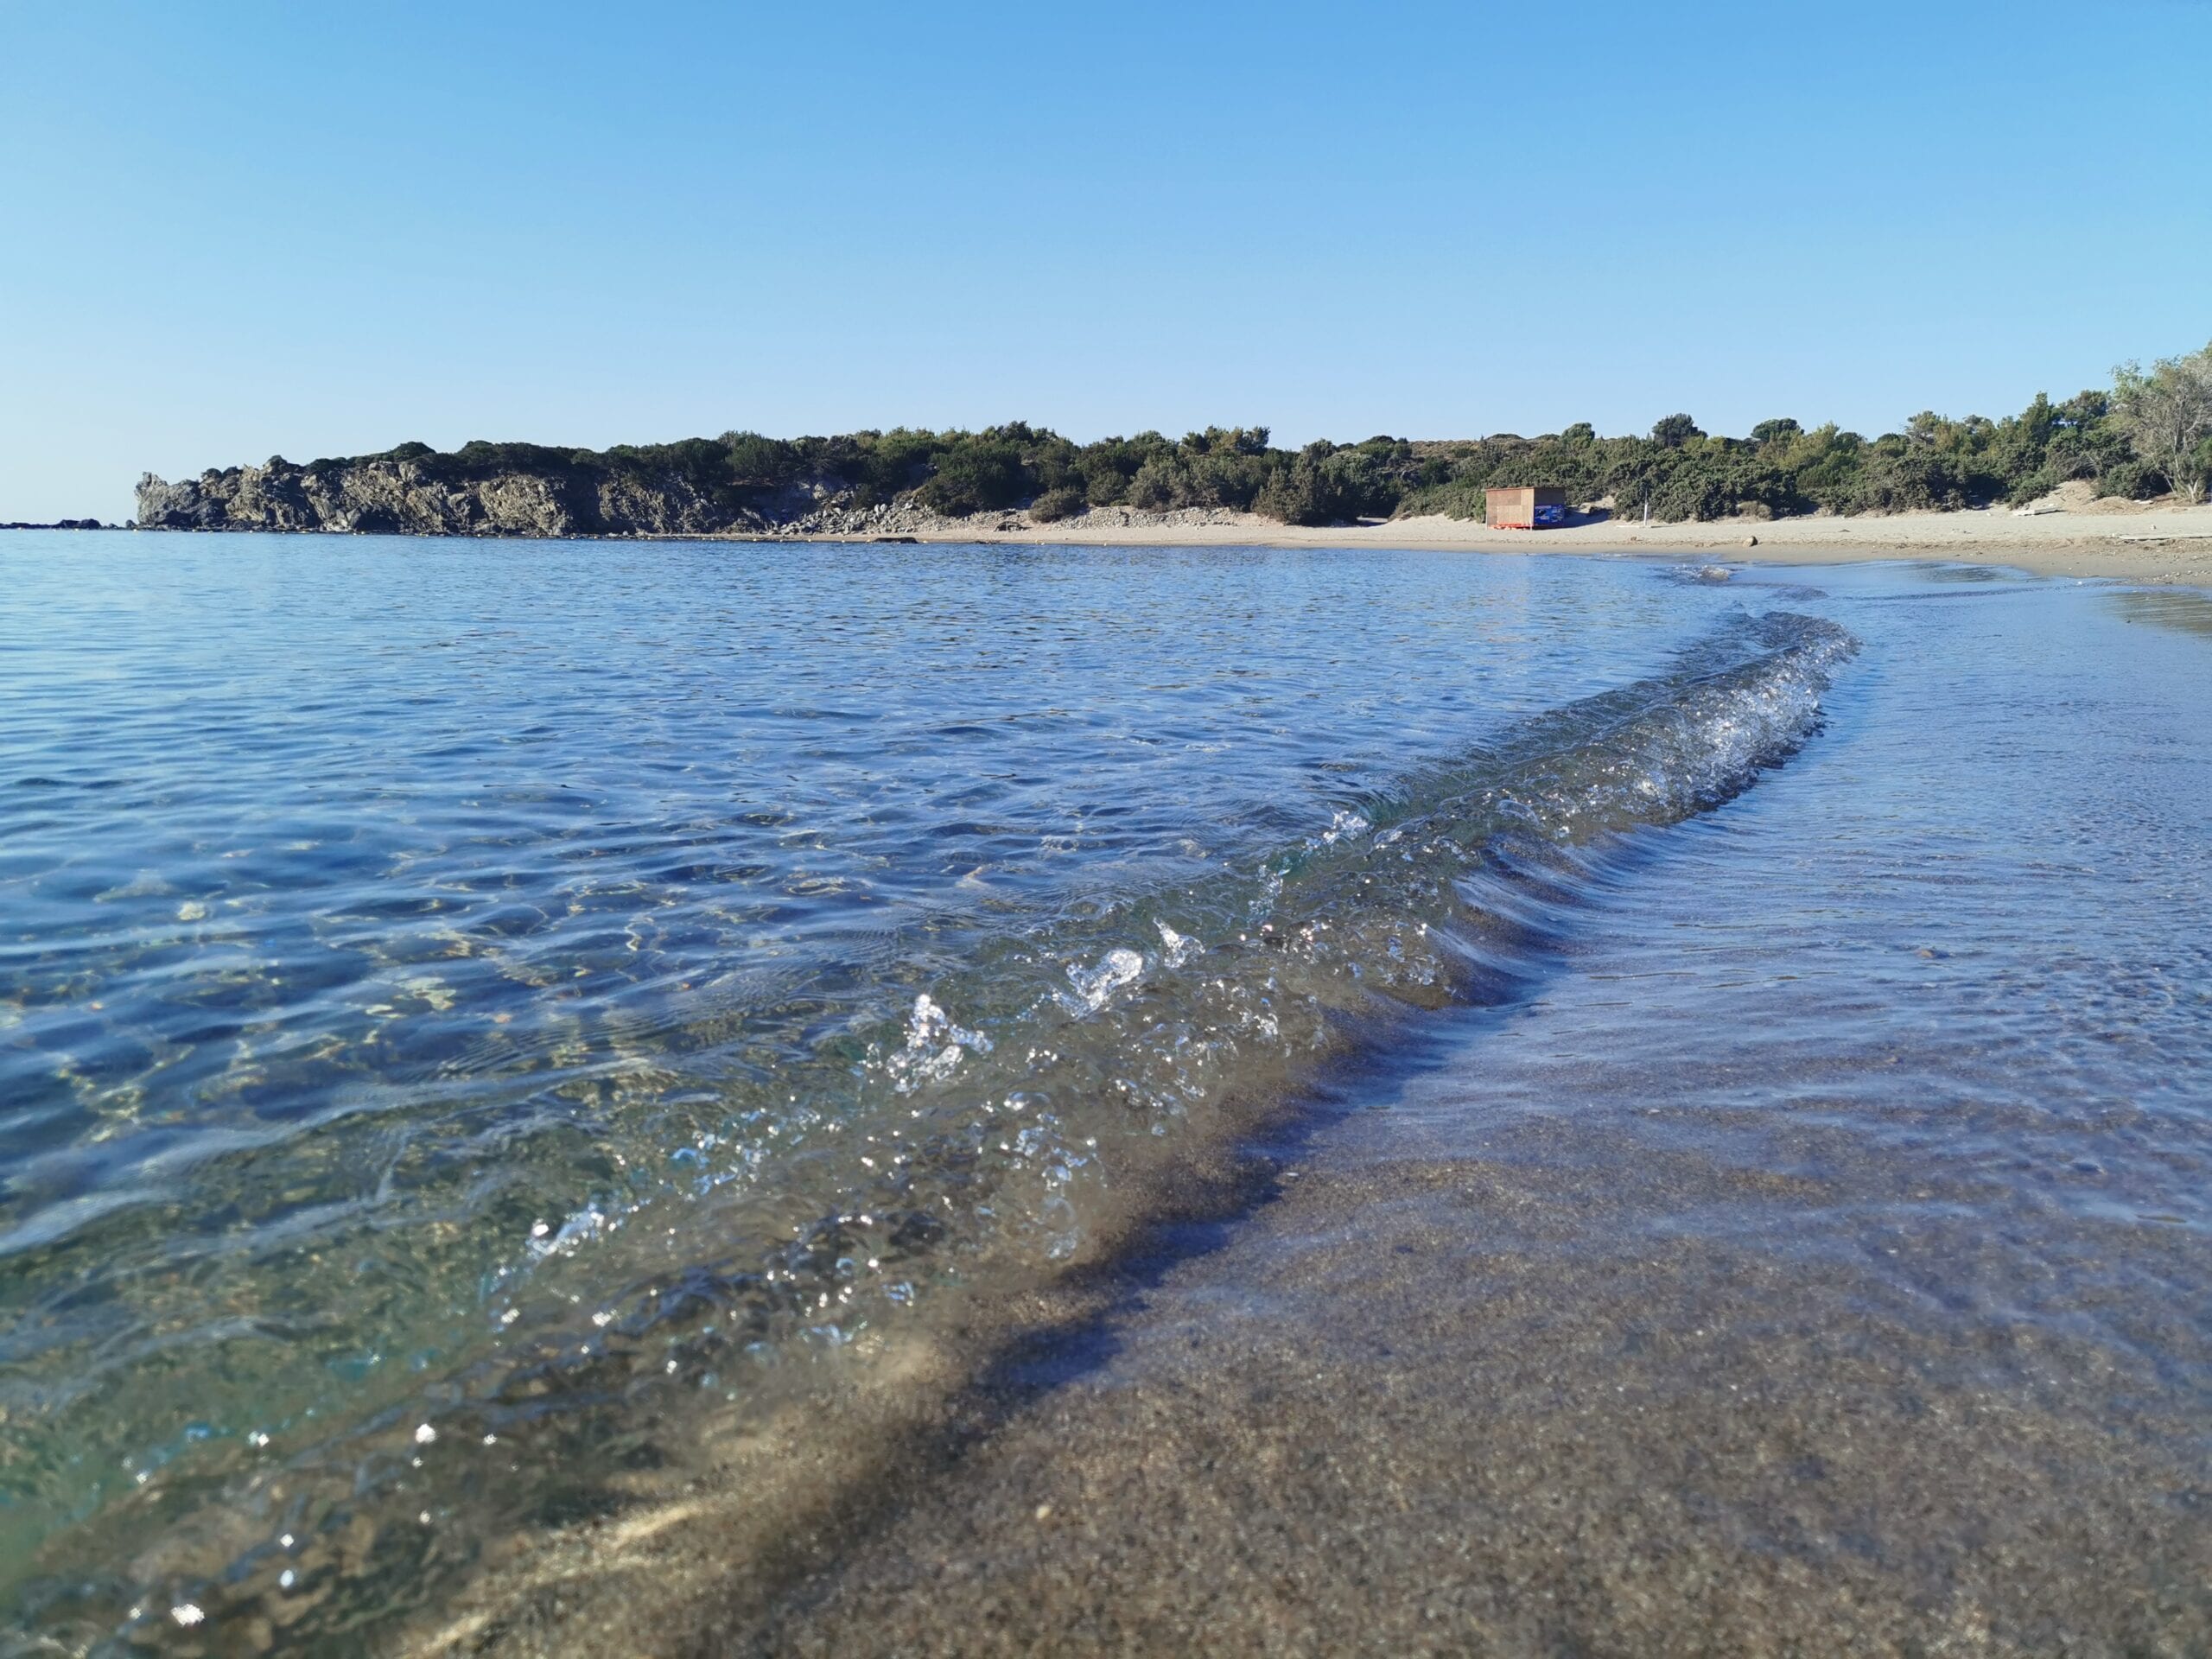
x=233, y=229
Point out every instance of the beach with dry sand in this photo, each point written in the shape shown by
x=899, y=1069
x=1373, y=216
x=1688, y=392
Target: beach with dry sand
x=2072, y=533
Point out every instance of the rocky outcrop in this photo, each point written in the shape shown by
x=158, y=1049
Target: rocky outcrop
x=425, y=496
x=392, y=496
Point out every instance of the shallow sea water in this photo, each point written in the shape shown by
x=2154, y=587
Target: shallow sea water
x=460, y=1002
x=1810, y=1257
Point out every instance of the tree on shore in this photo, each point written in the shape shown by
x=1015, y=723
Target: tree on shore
x=2166, y=414
x=2150, y=432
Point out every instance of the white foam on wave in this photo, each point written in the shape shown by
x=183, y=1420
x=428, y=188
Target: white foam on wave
x=1095, y=987
x=1345, y=825
x=934, y=1047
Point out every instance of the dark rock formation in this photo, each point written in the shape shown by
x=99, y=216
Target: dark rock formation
x=838, y=488
x=425, y=496
x=396, y=497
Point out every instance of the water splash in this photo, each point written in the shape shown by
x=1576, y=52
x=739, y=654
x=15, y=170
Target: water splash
x=1095, y=986
x=934, y=1047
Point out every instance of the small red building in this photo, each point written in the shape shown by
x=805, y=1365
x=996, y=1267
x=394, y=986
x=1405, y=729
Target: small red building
x=1527, y=508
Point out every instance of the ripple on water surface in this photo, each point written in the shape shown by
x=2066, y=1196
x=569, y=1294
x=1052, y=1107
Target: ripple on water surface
x=456, y=1000
x=393, y=925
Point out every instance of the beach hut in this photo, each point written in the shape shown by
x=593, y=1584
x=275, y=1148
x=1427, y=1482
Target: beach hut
x=1527, y=508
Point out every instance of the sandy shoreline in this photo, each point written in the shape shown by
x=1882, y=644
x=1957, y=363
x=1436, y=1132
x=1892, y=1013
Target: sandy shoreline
x=2116, y=540
x=2158, y=542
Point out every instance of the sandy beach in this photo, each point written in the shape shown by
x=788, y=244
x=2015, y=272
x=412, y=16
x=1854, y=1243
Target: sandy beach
x=2124, y=541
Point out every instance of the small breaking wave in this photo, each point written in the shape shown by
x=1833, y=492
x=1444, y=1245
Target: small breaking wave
x=982, y=1120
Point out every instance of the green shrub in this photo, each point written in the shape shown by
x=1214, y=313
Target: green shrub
x=1064, y=502
x=1155, y=487
x=975, y=477
x=1680, y=470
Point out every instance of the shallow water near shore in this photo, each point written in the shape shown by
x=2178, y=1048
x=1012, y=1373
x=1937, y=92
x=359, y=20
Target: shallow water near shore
x=475, y=1012
x=1811, y=1258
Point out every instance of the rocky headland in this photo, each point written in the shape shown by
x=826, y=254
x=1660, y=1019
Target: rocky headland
x=428, y=495
x=400, y=494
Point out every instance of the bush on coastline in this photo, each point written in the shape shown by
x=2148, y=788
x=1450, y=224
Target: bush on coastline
x=2166, y=414
x=2152, y=430
x=1783, y=468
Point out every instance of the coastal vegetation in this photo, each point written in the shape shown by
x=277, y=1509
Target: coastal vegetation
x=2148, y=433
